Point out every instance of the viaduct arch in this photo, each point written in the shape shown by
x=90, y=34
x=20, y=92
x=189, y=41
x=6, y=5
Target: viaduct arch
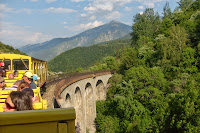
x=82, y=92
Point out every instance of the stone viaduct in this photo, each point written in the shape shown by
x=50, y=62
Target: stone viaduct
x=82, y=92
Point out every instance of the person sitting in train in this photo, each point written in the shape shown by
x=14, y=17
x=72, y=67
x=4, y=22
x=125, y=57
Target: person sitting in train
x=2, y=69
x=35, y=79
x=11, y=76
x=14, y=86
x=18, y=101
x=2, y=83
x=28, y=77
x=24, y=86
x=16, y=73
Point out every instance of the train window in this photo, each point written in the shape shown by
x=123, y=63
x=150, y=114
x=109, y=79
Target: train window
x=7, y=63
x=19, y=64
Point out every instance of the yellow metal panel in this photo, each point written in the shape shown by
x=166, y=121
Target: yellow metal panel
x=62, y=128
x=1, y=109
x=50, y=127
x=37, y=116
x=2, y=100
x=5, y=91
x=40, y=121
x=3, y=96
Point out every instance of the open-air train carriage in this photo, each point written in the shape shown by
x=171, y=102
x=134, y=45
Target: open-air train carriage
x=23, y=63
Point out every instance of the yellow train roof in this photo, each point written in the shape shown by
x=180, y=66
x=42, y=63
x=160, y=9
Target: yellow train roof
x=18, y=56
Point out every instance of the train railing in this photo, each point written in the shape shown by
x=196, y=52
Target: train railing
x=38, y=121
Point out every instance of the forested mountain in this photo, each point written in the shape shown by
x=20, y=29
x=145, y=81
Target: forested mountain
x=9, y=49
x=157, y=84
x=110, y=31
x=83, y=57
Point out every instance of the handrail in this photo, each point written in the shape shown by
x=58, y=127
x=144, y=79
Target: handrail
x=24, y=64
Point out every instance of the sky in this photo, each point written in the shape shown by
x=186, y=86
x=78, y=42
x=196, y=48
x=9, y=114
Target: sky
x=24, y=22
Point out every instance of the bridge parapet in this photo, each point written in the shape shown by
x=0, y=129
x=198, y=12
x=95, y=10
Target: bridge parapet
x=82, y=92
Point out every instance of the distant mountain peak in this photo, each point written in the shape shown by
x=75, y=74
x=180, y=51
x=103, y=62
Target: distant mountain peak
x=109, y=31
x=114, y=21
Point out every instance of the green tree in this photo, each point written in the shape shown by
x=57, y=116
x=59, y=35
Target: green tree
x=184, y=4
x=167, y=11
x=145, y=27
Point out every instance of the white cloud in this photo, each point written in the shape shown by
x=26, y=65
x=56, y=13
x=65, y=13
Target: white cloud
x=140, y=7
x=77, y=0
x=83, y=27
x=64, y=22
x=25, y=10
x=18, y=36
x=105, y=8
x=105, y=5
x=2, y=15
x=4, y=8
x=34, y=0
x=59, y=10
x=141, y=13
x=84, y=15
x=92, y=17
x=88, y=16
x=149, y=4
x=127, y=8
x=113, y=15
x=49, y=1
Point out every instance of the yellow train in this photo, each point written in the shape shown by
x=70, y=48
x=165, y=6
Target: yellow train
x=23, y=63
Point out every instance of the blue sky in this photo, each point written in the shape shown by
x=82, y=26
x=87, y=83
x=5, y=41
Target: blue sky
x=25, y=22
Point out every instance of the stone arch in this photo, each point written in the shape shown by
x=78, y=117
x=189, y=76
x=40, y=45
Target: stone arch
x=90, y=109
x=78, y=105
x=100, y=90
x=108, y=85
x=68, y=101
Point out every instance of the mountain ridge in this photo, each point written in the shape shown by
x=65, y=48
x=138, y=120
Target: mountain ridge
x=49, y=49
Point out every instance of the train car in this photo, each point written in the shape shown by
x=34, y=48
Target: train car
x=22, y=64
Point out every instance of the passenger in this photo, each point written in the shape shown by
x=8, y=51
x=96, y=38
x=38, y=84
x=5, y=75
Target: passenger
x=28, y=77
x=2, y=83
x=14, y=86
x=31, y=93
x=16, y=73
x=24, y=86
x=18, y=101
x=35, y=79
x=2, y=69
x=11, y=76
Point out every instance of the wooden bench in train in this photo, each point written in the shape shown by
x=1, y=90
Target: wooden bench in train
x=42, y=104
x=38, y=121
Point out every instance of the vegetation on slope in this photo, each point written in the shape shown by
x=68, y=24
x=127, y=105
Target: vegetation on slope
x=8, y=49
x=157, y=84
x=83, y=57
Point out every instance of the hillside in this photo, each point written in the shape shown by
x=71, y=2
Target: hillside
x=156, y=88
x=8, y=49
x=110, y=31
x=86, y=56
